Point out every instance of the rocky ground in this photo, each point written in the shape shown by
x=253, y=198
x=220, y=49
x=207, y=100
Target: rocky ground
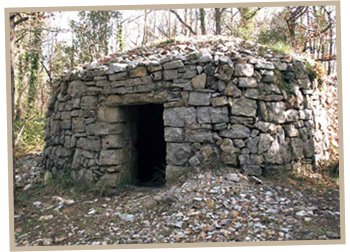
x=210, y=206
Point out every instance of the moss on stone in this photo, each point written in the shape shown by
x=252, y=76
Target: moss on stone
x=280, y=81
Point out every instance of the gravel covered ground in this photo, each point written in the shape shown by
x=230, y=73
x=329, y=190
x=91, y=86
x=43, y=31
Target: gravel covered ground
x=211, y=206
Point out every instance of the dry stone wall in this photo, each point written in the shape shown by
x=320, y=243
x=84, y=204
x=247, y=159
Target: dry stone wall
x=224, y=104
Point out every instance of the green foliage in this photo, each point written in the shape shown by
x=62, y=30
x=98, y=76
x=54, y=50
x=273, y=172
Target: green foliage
x=63, y=181
x=29, y=82
x=24, y=198
x=64, y=59
x=281, y=47
x=275, y=36
x=33, y=80
x=262, y=51
x=93, y=32
x=32, y=136
x=166, y=42
x=280, y=81
x=315, y=71
x=272, y=36
x=274, y=32
x=311, y=71
x=120, y=38
x=220, y=166
x=245, y=31
x=101, y=189
x=297, y=67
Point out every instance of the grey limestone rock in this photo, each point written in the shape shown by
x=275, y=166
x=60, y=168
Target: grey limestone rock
x=236, y=131
x=244, y=107
x=199, y=99
x=178, y=153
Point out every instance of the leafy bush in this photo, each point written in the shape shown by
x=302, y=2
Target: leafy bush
x=245, y=32
x=315, y=71
x=281, y=47
x=311, y=71
x=272, y=36
x=166, y=42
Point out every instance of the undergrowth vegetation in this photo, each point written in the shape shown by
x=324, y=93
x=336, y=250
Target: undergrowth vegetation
x=323, y=179
x=316, y=71
x=281, y=47
x=29, y=134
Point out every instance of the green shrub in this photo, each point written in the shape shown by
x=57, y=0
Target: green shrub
x=245, y=32
x=30, y=134
x=63, y=181
x=281, y=47
x=272, y=36
x=315, y=71
x=262, y=52
x=311, y=71
x=166, y=42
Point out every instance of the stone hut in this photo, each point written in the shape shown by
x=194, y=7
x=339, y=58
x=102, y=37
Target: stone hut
x=163, y=111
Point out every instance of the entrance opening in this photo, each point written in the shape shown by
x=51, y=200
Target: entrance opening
x=151, y=146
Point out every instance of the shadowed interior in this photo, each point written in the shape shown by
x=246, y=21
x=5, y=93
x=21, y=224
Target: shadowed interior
x=150, y=146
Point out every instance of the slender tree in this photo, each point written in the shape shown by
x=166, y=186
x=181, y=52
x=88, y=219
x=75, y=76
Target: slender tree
x=202, y=18
x=16, y=19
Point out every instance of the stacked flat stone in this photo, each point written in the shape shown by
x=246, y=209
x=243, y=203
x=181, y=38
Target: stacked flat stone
x=222, y=106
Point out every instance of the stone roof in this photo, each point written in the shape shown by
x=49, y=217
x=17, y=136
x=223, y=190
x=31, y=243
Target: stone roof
x=205, y=49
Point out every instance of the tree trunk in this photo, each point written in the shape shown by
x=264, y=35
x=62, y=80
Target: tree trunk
x=145, y=30
x=308, y=25
x=20, y=78
x=169, y=23
x=232, y=23
x=217, y=21
x=185, y=18
x=12, y=41
x=197, y=19
x=202, y=18
x=329, y=71
x=191, y=17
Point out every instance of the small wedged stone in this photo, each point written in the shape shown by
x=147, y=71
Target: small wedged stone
x=173, y=64
x=236, y=131
x=138, y=72
x=199, y=81
x=247, y=82
x=116, y=68
x=219, y=101
x=244, y=70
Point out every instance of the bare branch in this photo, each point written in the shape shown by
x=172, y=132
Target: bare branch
x=222, y=10
x=46, y=70
x=253, y=13
x=183, y=22
x=21, y=20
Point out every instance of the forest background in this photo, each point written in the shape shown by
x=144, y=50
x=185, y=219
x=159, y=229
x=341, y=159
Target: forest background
x=46, y=44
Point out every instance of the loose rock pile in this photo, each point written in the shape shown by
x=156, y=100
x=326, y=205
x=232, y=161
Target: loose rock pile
x=29, y=170
x=221, y=207
x=225, y=102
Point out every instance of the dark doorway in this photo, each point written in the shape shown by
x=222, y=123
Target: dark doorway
x=150, y=146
